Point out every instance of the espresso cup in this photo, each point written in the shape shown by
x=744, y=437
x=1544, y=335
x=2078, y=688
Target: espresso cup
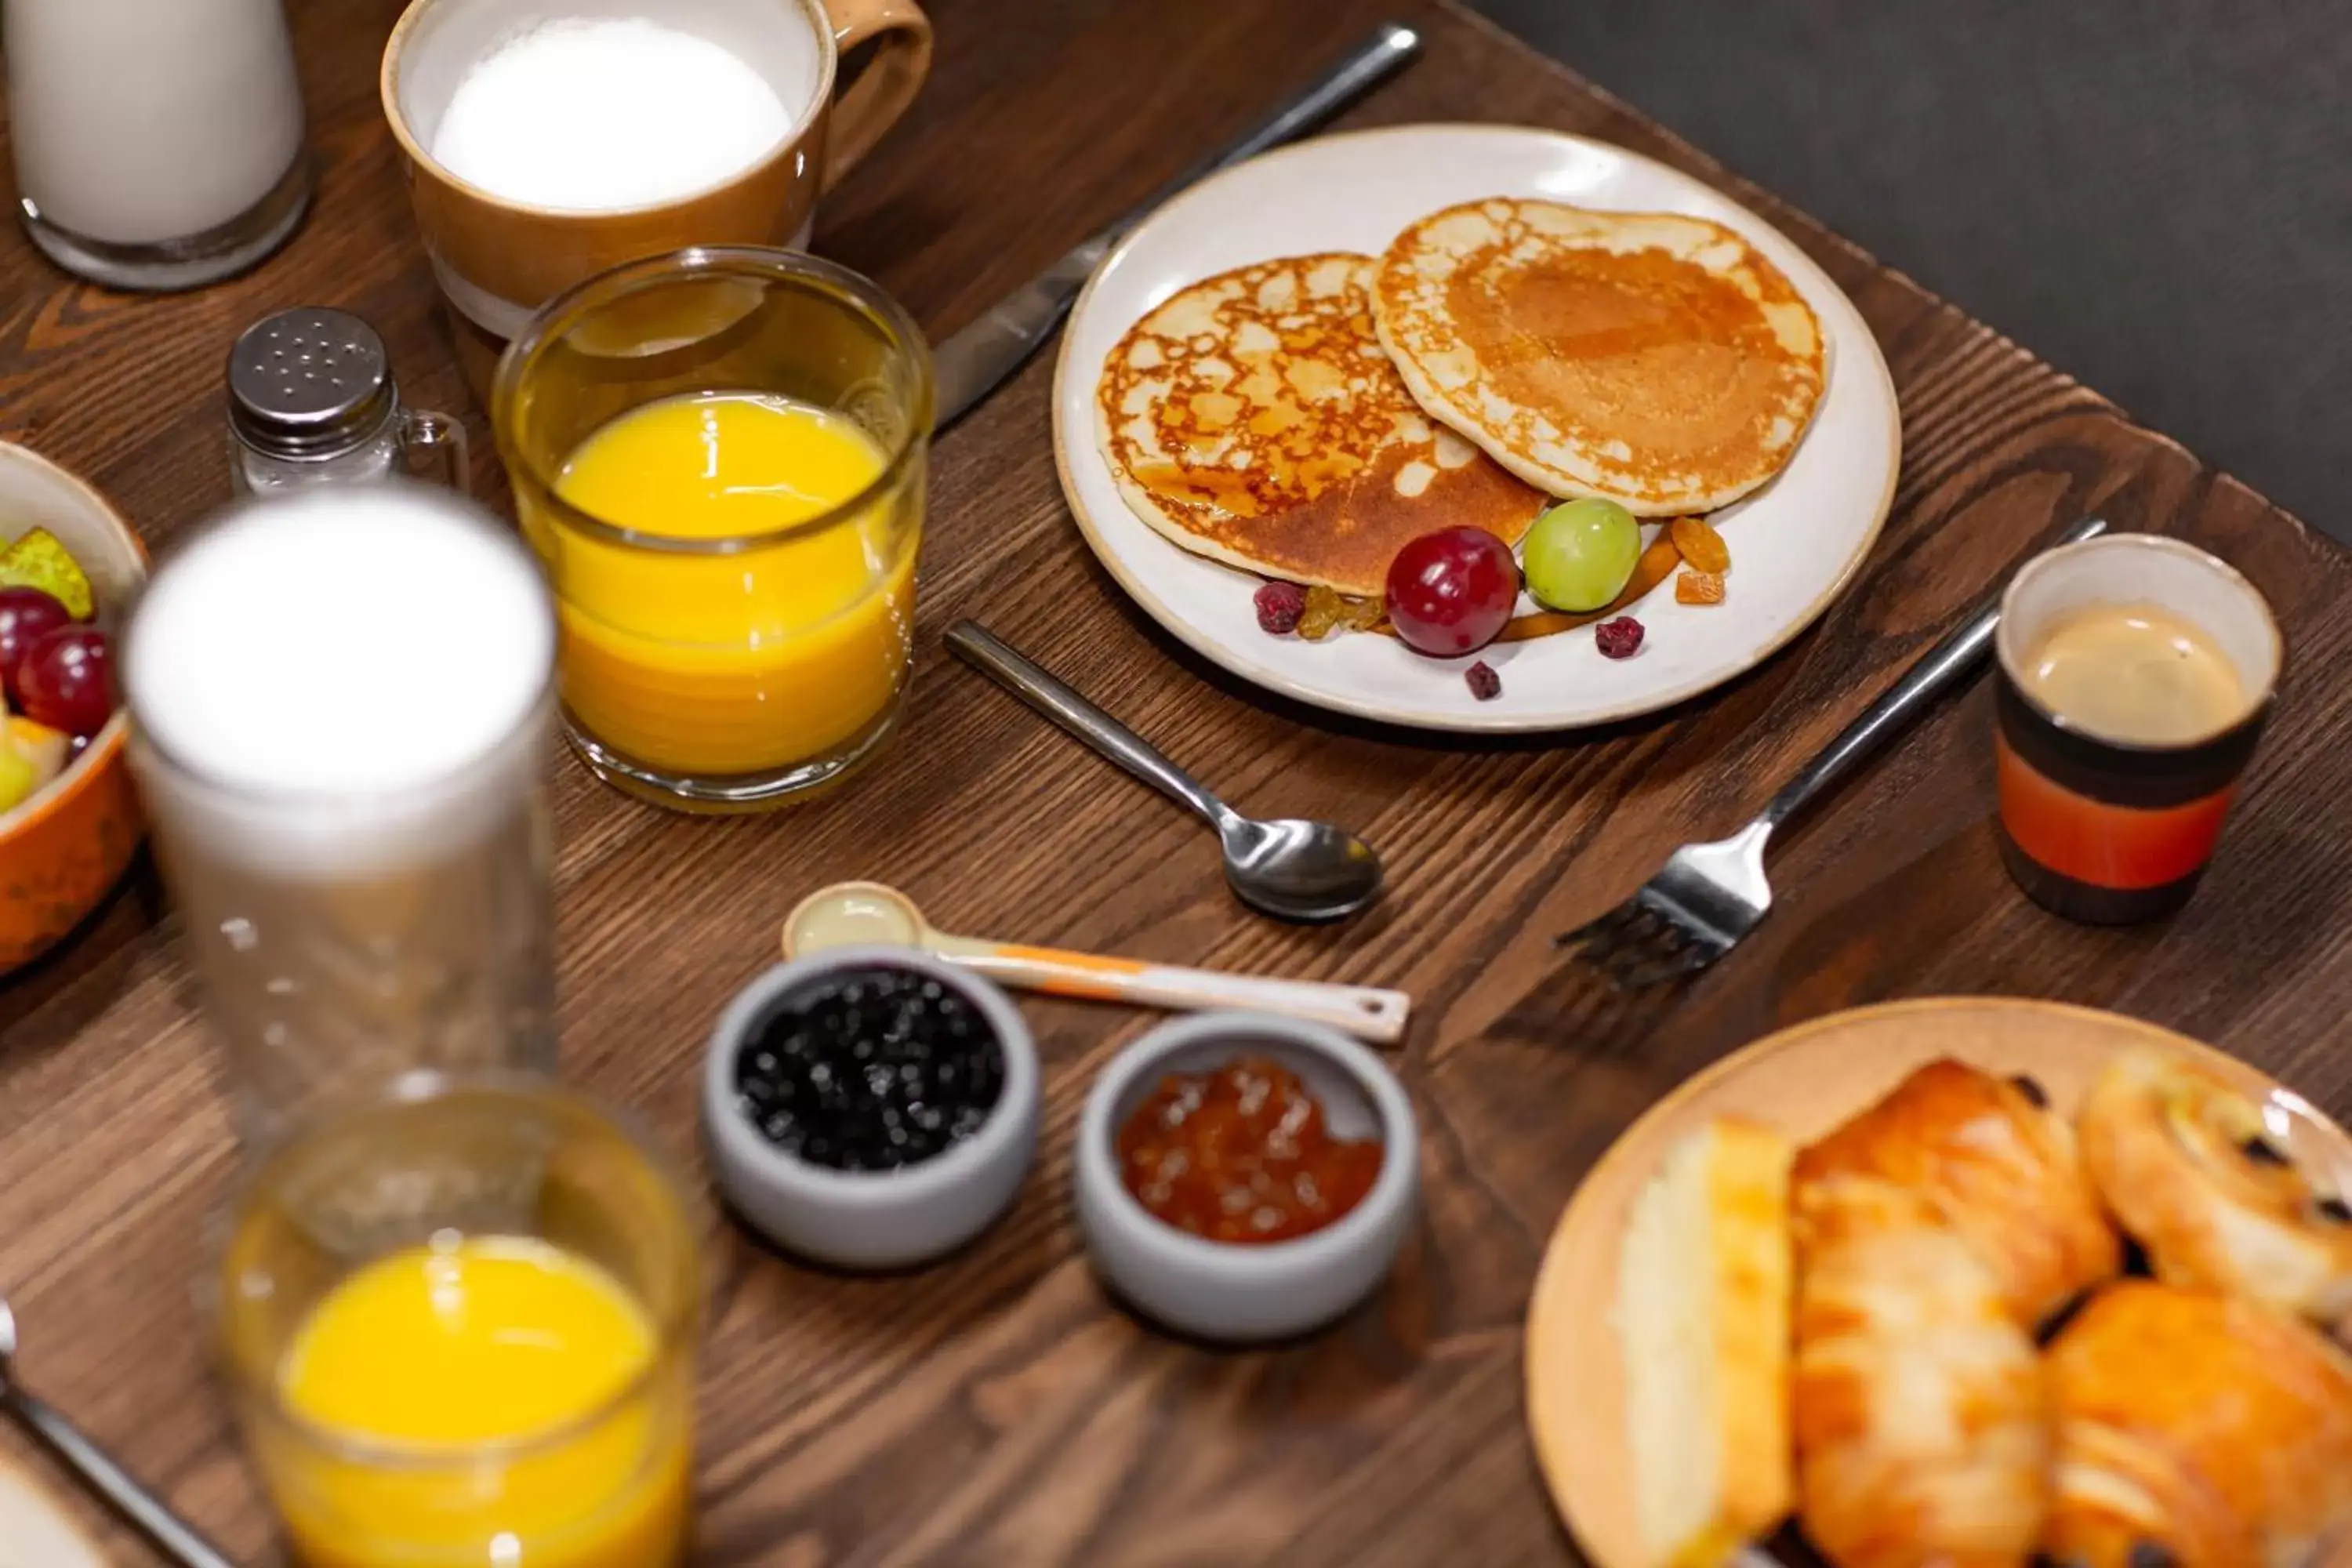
x=498, y=260
x=2111, y=821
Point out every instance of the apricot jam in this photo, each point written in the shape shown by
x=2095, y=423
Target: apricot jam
x=1241, y=1154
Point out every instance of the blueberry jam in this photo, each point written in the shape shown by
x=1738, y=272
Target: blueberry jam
x=870, y=1069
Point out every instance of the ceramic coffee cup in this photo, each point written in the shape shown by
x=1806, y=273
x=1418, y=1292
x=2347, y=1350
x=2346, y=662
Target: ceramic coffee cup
x=2098, y=826
x=498, y=260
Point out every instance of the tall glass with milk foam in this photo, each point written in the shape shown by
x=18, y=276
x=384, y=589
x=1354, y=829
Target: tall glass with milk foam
x=341, y=706
x=158, y=142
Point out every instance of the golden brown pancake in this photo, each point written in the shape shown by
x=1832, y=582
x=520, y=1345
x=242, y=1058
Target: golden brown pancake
x=1654, y=359
x=1254, y=419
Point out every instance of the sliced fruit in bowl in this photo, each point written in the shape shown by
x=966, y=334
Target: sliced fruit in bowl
x=40, y=559
x=31, y=756
x=68, y=817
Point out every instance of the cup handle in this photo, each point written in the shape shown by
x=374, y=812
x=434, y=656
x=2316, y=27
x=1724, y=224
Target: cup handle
x=880, y=96
x=442, y=440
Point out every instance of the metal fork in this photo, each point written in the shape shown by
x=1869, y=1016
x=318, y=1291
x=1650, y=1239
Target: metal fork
x=1707, y=897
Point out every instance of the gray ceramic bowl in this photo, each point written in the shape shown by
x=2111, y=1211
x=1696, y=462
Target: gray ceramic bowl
x=870, y=1219
x=1217, y=1290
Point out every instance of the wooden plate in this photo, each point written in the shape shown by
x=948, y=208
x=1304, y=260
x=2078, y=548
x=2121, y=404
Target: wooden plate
x=1804, y=1080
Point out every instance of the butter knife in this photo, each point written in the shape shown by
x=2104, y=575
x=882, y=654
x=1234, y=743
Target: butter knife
x=972, y=362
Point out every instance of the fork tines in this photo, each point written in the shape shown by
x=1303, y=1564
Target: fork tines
x=1645, y=941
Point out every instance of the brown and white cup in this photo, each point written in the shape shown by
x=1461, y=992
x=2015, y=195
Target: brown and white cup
x=497, y=260
x=2109, y=831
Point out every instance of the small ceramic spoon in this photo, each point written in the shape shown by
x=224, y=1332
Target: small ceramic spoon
x=852, y=913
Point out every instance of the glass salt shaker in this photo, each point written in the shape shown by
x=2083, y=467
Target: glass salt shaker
x=312, y=401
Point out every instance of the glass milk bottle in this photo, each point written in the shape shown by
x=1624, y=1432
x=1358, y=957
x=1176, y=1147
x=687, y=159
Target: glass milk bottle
x=158, y=142
x=342, y=704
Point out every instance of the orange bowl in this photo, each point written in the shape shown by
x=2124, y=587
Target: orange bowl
x=64, y=849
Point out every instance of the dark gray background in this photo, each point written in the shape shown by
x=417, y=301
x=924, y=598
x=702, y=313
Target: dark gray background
x=2155, y=195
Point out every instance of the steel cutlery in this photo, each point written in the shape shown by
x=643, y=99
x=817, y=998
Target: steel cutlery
x=174, y=1536
x=973, y=361
x=1708, y=897
x=1291, y=869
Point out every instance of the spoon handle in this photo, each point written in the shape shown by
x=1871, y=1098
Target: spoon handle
x=989, y=654
x=1359, y=1010
x=178, y=1539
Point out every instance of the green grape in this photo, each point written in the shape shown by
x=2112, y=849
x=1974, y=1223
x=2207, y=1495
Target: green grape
x=1581, y=554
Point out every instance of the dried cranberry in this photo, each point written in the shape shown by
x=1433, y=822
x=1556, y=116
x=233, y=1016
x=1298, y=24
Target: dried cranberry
x=1279, y=605
x=1618, y=639
x=1484, y=684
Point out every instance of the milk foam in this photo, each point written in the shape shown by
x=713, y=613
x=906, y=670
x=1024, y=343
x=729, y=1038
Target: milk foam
x=343, y=643
x=595, y=114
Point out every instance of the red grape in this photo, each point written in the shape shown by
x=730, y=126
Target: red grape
x=27, y=616
x=1451, y=591
x=68, y=680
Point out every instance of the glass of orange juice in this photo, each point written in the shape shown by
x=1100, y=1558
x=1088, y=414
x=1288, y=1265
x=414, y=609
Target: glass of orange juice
x=720, y=456
x=458, y=1323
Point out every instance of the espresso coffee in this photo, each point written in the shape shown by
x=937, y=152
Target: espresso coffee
x=2135, y=673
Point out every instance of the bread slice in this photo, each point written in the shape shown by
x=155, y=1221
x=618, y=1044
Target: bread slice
x=1704, y=1291
x=34, y=1532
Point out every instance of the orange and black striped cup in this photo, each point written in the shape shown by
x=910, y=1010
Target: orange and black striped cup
x=2100, y=827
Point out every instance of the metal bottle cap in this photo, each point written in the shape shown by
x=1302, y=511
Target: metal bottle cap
x=309, y=382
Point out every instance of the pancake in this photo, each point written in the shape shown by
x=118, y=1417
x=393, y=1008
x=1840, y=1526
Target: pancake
x=1253, y=418
x=1654, y=359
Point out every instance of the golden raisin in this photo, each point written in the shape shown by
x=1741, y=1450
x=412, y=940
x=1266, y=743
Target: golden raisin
x=1699, y=588
x=1320, y=618
x=1328, y=610
x=1701, y=546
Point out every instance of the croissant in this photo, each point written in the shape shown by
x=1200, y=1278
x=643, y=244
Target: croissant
x=1999, y=1167
x=2185, y=1160
x=1919, y=1413
x=2197, y=1430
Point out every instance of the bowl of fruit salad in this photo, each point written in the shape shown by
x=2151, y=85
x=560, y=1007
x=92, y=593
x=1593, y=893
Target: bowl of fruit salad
x=68, y=820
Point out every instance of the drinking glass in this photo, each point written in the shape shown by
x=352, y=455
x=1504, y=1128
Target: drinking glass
x=2109, y=831
x=433, y=1159
x=157, y=146
x=690, y=673
x=347, y=934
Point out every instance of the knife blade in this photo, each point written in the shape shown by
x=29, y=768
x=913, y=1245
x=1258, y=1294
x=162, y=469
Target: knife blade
x=973, y=361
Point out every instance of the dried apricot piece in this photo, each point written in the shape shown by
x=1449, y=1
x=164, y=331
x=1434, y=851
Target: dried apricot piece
x=1698, y=588
x=1701, y=546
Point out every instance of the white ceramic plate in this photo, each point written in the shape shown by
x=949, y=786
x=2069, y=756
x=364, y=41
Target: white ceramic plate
x=1794, y=544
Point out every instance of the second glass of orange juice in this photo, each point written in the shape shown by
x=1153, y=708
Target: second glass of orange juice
x=720, y=456
x=458, y=1321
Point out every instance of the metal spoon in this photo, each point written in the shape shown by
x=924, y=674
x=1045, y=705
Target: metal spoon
x=855, y=914
x=1291, y=869
x=174, y=1536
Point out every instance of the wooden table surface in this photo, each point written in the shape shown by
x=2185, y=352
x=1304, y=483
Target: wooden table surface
x=994, y=1410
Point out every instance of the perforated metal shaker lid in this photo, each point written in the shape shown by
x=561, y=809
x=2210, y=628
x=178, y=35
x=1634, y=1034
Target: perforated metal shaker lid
x=309, y=382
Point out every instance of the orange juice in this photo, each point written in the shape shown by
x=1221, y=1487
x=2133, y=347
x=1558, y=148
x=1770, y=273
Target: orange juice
x=516, y=1373
x=781, y=648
